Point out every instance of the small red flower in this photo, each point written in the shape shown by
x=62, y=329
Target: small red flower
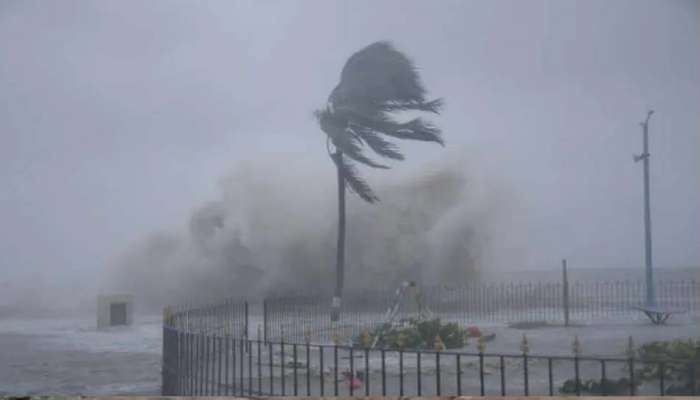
x=473, y=331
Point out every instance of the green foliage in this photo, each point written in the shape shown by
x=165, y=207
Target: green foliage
x=669, y=351
x=419, y=334
x=376, y=82
x=677, y=360
x=598, y=387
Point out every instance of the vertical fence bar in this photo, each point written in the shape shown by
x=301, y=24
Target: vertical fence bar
x=185, y=363
x=241, y=352
x=249, y=346
x=383, y=354
x=245, y=309
x=202, y=364
x=577, y=375
x=335, y=370
x=692, y=368
x=400, y=372
x=164, y=367
x=173, y=369
x=259, y=365
x=565, y=292
x=195, y=372
x=172, y=362
x=438, y=390
x=272, y=370
x=308, y=369
x=212, y=364
x=191, y=366
x=182, y=381
x=503, y=375
x=459, y=374
x=180, y=362
x=282, y=373
x=265, y=322
x=294, y=369
x=206, y=366
x=352, y=373
x=227, y=349
x=481, y=373
x=549, y=375
x=526, y=378
x=631, y=372
x=235, y=387
x=603, y=379
x=217, y=352
x=418, y=374
x=662, y=388
x=321, y=375
x=366, y=371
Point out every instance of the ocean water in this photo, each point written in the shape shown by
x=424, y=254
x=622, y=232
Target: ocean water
x=69, y=356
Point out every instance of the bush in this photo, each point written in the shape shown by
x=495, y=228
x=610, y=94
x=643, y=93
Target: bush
x=598, y=387
x=418, y=335
x=680, y=358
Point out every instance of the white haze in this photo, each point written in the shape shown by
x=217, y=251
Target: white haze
x=277, y=234
x=118, y=121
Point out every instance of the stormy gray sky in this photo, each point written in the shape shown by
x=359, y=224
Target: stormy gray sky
x=118, y=118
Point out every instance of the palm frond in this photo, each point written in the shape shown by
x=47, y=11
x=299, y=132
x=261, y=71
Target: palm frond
x=415, y=129
x=378, y=73
x=355, y=183
x=344, y=139
x=374, y=140
x=375, y=82
x=433, y=106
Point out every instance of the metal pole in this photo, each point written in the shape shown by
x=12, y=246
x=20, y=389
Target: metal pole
x=649, y=276
x=340, y=251
x=265, y=320
x=565, y=292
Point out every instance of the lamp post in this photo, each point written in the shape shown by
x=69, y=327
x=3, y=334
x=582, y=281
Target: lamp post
x=649, y=276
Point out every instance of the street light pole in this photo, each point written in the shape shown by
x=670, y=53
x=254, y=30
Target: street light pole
x=649, y=276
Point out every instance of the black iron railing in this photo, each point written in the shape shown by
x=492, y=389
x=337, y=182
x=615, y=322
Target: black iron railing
x=210, y=364
x=295, y=316
x=208, y=351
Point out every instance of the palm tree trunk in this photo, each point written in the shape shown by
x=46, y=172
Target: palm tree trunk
x=340, y=250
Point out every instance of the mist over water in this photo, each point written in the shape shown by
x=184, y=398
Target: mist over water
x=170, y=150
x=110, y=150
x=272, y=230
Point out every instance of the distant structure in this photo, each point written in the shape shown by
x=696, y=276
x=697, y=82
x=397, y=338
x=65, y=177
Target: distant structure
x=649, y=272
x=114, y=310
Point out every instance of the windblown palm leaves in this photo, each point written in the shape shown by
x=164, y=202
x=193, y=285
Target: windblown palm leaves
x=375, y=82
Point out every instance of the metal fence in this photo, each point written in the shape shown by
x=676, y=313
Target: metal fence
x=196, y=363
x=227, y=318
x=208, y=350
x=295, y=317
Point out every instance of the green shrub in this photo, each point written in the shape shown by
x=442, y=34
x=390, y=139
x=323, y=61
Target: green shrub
x=680, y=359
x=418, y=335
x=598, y=387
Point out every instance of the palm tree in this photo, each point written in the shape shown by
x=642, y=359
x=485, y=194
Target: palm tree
x=375, y=82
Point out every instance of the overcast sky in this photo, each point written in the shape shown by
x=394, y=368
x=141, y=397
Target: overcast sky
x=118, y=118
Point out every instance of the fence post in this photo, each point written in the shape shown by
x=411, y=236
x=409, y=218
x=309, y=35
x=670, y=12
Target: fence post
x=565, y=292
x=265, y=320
x=164, y=364
x=245, y=308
